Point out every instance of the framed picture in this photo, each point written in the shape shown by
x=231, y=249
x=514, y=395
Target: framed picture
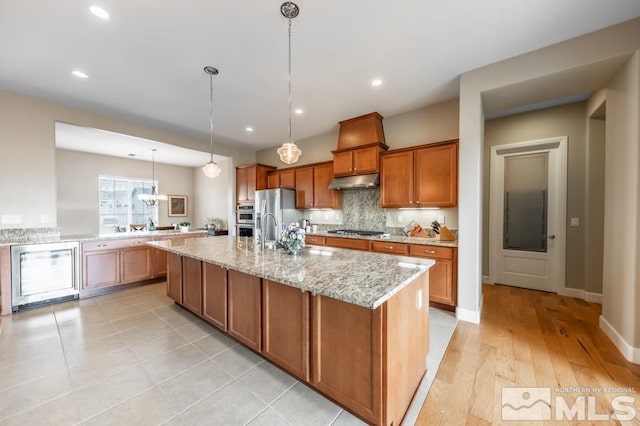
x=177, y=205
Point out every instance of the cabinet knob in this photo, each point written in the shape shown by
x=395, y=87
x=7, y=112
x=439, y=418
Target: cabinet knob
x=410, y=202
x=417, y=202
x=355, y=169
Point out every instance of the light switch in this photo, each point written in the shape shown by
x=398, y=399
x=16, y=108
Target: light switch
x=441, y=219
x=575, y=221
x=399, y=218
x=44, y=218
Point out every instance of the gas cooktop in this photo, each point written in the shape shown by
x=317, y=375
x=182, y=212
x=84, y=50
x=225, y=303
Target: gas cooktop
x=355, y=232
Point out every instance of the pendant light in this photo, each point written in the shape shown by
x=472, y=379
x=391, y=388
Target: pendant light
x=211, y=169
x=289, y=151
x=154, y=198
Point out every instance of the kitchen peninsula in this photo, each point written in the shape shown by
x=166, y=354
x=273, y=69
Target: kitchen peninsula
x=353, y=325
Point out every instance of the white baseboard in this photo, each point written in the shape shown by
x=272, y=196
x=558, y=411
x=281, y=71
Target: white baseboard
x=486, y=279
x=468, y=315
x=581, y=294
x=632, y=354
x=593, y=297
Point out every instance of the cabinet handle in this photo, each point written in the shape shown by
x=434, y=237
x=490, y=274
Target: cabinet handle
x=389, y=247
x=410, y=202
x=102, y=245
x=430, y=251
x=417, y=202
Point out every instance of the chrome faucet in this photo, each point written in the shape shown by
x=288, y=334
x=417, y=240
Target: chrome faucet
x=263, y=220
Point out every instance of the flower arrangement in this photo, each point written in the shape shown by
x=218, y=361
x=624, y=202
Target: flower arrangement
x=292, y=238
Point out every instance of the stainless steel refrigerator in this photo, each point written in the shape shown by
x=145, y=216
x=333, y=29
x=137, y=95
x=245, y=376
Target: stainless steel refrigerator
x=278, y=204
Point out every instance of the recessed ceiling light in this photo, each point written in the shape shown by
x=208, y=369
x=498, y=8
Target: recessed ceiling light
x=376, y=82
x=249, y=129
x=79, y=74
x=100, y=12
x=299, y=111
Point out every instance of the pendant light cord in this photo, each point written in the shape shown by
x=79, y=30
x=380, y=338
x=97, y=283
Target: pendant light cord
x=289, y=140
x=211, y=112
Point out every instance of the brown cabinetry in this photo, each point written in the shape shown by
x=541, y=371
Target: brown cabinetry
x=244, y=304
x=285, y=331
x=443, y=275
x=420, y=177
x=357, y=161
x=281, y=179
x=249, y=179
x=312, y=187
x=214, y=295
x=315, y=240
x=389, y=247
x=160, y=256
x=114, y=262
x=192, y=284
x=174, y=277
x=348, y=243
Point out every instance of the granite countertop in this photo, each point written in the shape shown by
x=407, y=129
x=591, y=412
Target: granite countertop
x=363, y=278
x=392, y=238
x=41, y=239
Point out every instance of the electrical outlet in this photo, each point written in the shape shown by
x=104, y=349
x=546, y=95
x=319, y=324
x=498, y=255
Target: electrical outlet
x=440, y=219
x=326, y=216
x=575, y=221
x=310, y=216
x=399, y=218
x=44, y=218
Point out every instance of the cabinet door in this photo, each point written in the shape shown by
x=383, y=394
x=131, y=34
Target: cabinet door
x=287, y=179
x=365, y=160
x=214, y=295
x=101, y=268
x=273, y=180
x=304, y=188
x=241, y=185
x=323, y=197
x=441, y=282
x=159, y=263
x=245, y=316
x=285, y=322
x=396, y=179
x=314, y=240
x=136, y=264
x=251, y=183
x=343, y=163
x=348, y=243
x=436, y=176
x=174, y=277
x=389, y=247
x=192, y=284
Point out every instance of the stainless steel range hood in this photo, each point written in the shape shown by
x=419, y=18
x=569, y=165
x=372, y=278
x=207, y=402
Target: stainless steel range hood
x=360, y=181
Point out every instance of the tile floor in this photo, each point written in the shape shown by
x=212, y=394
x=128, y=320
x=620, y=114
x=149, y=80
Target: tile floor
x=134, y=357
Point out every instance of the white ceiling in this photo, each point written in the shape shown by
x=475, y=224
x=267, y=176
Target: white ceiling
x=146, y=63
x=96, y=141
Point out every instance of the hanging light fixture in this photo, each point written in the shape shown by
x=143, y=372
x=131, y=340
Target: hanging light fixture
x=289, y=151
x=211, y=169
x=152, y=199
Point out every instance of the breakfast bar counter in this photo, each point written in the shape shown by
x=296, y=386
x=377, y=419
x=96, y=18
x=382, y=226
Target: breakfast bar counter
x=352, y=325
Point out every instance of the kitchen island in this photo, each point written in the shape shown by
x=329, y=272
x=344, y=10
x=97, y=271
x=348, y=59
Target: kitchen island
x=352, y=325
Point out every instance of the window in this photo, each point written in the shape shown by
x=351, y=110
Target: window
x=119, y=204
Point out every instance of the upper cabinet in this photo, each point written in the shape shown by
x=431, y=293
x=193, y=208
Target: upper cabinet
x=281, y=179
x=249, y=179
x=312, y=187
x=357, y=161
x=426, y=176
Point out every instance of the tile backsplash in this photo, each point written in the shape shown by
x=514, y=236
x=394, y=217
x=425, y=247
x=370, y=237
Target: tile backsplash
x=361, y=210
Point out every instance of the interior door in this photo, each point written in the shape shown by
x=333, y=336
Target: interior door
x=527, y=214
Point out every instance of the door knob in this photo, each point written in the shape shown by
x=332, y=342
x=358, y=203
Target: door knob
x=551, y=237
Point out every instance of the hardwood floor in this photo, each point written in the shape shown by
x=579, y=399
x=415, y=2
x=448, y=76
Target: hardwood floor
x=528, y=338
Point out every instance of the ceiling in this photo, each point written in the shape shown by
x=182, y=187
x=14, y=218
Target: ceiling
x=145, y=63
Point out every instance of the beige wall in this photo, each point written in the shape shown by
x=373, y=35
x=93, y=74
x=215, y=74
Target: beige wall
x=568, y=120
x=425, y=125
x=77, y=187
x=214, y=197
x=621, y=275
x=27, y=166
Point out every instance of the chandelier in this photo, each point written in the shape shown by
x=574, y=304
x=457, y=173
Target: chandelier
x=289, y=151
x=152, y=199
x=211, y=169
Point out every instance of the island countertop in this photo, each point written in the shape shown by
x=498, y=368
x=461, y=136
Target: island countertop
x=362, y=278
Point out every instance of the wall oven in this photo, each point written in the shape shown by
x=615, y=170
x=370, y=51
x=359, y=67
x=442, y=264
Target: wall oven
x=244, y=229
x=44, y=273
x=245, y=214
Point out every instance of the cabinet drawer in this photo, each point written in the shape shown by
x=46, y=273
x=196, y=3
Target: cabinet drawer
x=431, y=251
x=348, y=243
x=114, y=244
x=315, y=240
x=389, y=247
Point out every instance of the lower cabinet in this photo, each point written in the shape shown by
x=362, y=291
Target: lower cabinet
x=192, y=284
x=442, y=275
x=285, y=327
x=214, y=295
x=174, y=277
x=115, y=262
x=245, y=309
x=348, y=243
